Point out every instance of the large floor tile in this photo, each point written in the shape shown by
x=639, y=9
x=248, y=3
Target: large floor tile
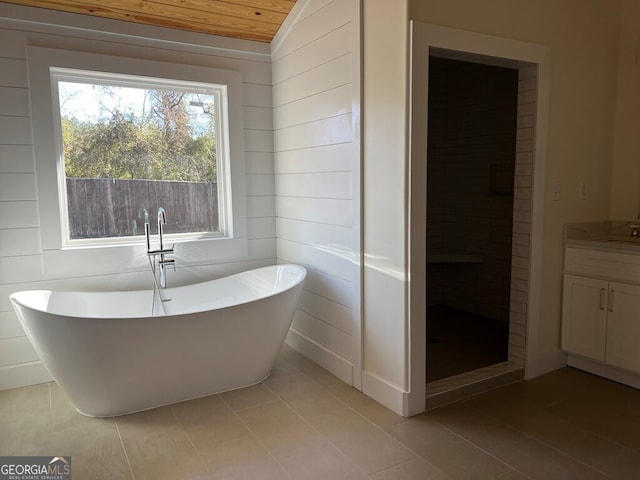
x=302, y=424
x=158, y=446
x=529, y=456
x=26, y=434
x=319, y=462
x=446, y=451
x=364, y=405
x=25, y=421
x=242, y=458
x=415, y=469
x=280, y=429
x=25, y=400
x=360, y=440
x=249, y=397
x=304, y=394
x=308, y=367
x=301, y=450
x=587, y=447
x=209, y=421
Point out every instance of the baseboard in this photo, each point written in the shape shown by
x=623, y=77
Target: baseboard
x=383, y=392
x=544, y=362
x=23, y=374
x=464, y=385
x=330, y=361
x=606, y=371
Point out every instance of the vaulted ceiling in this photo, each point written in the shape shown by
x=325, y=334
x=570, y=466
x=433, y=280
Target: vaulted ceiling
x=247, y=19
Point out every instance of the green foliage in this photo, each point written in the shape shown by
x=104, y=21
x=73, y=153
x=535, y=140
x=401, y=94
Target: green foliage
x=162, y=145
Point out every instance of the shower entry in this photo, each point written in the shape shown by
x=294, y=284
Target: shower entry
x=471, y=155
x=479, y=121
x=479, y=181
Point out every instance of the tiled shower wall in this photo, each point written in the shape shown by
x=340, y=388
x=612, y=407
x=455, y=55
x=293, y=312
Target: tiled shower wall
x=470, y=189
x=520, y=249
x=440, y=236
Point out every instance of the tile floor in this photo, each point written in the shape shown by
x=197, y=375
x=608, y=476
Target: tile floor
x=459, y=341
x=303, y=423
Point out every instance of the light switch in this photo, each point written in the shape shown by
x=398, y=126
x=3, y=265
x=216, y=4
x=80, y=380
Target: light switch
x=582, y=191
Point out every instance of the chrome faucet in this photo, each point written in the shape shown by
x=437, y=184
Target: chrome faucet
x=161, y=251
x=162, y=220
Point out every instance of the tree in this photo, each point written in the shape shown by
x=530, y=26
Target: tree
x=161, y=144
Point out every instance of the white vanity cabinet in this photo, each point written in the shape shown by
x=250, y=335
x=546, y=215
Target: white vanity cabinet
x=601, y=311
x=623, y=326
x=584, y=316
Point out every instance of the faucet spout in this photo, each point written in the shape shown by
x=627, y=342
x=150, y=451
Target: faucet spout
x=162, y=220
x=161, y=251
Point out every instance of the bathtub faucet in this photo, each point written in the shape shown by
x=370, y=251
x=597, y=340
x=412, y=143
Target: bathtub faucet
x=161, y=251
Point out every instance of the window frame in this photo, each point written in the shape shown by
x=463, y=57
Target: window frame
x=220, y=92
x=198, y=249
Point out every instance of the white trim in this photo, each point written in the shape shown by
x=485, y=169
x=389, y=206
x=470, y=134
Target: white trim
x=357, y=191
x=330, y=361
x=606, y=371
x=218, y=91
x=388, y=395
x=23, y=374
x=417, y=234
x=47, y=166
x=425, y=36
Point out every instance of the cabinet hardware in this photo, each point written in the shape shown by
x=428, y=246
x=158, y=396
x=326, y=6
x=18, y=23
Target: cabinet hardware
x=602, y=298
x=612, y=294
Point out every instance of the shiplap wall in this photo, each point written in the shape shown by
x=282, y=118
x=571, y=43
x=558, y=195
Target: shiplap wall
x=21, y=258
x=317, y=161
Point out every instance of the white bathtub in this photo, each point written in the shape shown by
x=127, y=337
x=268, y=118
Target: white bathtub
x=112, y=357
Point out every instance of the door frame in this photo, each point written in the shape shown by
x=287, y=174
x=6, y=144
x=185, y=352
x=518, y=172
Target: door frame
x=423, y=37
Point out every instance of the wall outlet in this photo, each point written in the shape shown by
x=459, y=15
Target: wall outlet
x=555, y=192
x=582, y=191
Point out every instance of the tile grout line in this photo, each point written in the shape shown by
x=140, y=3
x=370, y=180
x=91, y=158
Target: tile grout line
x=124, y=449
x=544, y=443
x=382, y=430
x=504, y=423
x=486, y=452
x=191, y=442
x=375, y=425
x=256, y=436
x=445, y=475
x=50, y=411
x=280, y=399
x=335, y=447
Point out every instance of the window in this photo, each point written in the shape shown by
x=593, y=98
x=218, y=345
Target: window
x=135, y=159
x=133, y=144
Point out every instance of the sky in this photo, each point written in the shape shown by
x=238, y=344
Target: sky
x=96, y=103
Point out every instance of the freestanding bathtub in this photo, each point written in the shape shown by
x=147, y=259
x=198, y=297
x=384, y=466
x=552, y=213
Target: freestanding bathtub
x=112, y=357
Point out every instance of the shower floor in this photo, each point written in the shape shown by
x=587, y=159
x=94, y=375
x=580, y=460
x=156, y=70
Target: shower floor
x=459, y=341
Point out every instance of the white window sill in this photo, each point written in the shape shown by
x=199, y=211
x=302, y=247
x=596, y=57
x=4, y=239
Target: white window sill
x=105, y=260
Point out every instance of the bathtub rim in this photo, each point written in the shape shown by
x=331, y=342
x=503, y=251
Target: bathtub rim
x=13, y=297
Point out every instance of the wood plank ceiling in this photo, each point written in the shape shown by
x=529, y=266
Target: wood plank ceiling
x=257, y=20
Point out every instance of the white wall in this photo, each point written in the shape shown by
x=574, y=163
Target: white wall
x=582, y=36
x=316, y=103
x=625, y=181
x=385, y=127
x=21, y=256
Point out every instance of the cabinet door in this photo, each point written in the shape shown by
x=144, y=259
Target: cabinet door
x=623, y=326
x=584, y=316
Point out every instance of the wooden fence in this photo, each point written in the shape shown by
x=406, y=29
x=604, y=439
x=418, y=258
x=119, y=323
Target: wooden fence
x=115, y=208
